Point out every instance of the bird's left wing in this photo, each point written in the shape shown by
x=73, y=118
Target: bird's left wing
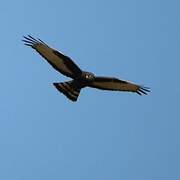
x=59, y=61
x=114, y=84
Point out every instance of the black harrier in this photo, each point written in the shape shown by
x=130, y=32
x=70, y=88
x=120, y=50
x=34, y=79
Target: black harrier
x=80, y=79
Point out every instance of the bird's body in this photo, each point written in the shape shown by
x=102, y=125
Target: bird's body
x=81, y=79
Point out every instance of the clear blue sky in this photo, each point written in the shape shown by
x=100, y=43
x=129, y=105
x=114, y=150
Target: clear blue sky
x=105, y=135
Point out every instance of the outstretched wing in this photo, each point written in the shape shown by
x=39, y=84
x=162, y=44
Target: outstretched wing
x=114, y=84
x=59, y=61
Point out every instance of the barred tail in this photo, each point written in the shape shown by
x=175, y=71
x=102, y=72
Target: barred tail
x=69, y=89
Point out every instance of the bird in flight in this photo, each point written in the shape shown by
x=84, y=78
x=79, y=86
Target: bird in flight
x=80, y=79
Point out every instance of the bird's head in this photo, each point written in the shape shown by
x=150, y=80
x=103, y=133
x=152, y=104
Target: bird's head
x=88, y=76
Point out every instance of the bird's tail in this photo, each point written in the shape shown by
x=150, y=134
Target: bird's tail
x=69, y=89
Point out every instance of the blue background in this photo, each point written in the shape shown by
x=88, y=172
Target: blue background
x=104, y=135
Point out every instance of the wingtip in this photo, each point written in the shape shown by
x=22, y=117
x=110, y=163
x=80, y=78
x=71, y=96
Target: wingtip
x=30, y=39
x=143, y=90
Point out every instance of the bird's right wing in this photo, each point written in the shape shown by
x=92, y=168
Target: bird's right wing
x=59, y=61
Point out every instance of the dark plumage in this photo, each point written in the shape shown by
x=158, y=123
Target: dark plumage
x=65, y=65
